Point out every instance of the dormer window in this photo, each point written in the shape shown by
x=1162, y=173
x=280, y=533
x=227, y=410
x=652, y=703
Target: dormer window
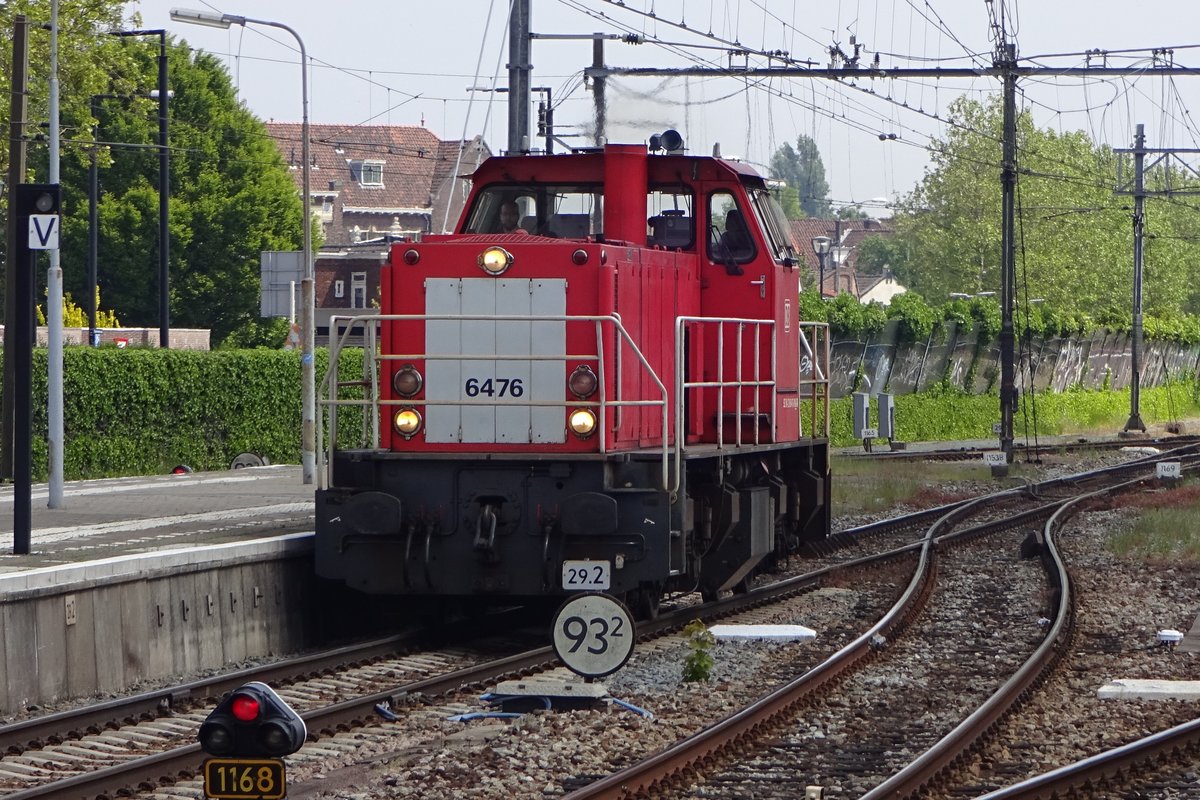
x=367, y=173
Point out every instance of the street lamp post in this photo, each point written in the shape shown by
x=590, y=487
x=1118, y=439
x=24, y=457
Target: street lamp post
x=164, y=191
x=94, y=225
x=308, y=386
x=820, y=246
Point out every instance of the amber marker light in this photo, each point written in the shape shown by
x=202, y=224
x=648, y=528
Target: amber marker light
x=495, y=260
x=407, y=422
x=582, y=422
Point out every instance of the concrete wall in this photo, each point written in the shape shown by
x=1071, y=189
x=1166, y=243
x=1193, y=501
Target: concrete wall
x=181, y=338
x=1055, y=364
x=106, y=626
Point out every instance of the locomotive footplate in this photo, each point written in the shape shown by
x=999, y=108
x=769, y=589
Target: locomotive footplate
x=439, y=527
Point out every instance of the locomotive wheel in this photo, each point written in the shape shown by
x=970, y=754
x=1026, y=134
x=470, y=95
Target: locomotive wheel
x=644, y=602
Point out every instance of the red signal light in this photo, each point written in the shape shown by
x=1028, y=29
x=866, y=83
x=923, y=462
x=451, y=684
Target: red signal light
x=245, y=708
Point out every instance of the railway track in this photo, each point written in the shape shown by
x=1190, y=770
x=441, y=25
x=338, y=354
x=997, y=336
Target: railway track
x=1029, y=452
x=95, y=752
x=756, y=728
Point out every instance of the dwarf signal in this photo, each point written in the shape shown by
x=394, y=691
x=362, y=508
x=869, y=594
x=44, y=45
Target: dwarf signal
x=249, y=732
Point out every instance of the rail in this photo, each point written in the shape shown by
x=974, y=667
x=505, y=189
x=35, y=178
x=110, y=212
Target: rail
x=372, y=403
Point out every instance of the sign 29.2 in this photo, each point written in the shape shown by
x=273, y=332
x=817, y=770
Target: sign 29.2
x=494, y=387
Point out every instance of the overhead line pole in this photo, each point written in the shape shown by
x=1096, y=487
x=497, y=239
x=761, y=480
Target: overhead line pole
x=520, y=69
x=1139, y=227
x=18, y=107
x=1004, y=67
x=1139, y=151
x=1007, y=56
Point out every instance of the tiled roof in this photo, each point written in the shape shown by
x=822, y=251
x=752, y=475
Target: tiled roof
x=851, y=232
x=413, y=159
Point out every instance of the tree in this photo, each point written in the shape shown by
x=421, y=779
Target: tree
x=87, y=64
x=875, y=253
x=231, y=197
x=1074, y=240
x=801, y=168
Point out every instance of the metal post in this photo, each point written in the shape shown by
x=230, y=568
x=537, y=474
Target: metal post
x=93, y=226
x=599, y=101
x=164, y=193
x=520, y=68
x=18, y=104
x=54, y=300
x=1139, y=218
x=1008, y=261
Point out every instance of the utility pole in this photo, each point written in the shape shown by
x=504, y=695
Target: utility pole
x=16, y=175
x=1006, y=61
x=1139, y=218
x=520, y=69
x=1004, y=67
x=54, y=300
x=598, y=89
x=1138, y=189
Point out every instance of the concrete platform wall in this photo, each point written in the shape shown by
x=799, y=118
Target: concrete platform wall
x=72, y=632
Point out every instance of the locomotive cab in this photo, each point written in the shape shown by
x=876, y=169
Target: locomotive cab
x=599, y=382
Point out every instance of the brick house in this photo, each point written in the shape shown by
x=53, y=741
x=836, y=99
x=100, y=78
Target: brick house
x=369, y=185
x=841, y=266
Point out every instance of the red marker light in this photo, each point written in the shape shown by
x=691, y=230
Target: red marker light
x=245, y=708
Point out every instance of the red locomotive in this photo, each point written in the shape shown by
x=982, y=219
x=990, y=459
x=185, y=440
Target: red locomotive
x=598, y=382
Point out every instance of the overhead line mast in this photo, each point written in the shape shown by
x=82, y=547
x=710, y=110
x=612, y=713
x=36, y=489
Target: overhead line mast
x=1004, y=67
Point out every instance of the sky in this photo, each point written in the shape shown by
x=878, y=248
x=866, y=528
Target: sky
x=401, y=63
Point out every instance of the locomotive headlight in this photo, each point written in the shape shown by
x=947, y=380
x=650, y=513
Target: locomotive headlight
x=407, y=381
x=582, y=422
x=582, y=382
x=495, y=260
x=407, y=421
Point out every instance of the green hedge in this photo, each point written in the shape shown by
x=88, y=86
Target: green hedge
x=141, y=411
x=952, y=415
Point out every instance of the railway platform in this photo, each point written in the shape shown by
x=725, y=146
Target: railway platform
x=100, y=519
x=136, y=579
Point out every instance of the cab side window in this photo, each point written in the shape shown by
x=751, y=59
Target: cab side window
x=670, y=221
x=729, y=241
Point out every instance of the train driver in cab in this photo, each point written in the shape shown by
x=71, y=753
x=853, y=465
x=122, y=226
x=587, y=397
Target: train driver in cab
x=510, y=217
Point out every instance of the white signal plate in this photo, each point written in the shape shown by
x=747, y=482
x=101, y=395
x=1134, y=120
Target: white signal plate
x=995, y=458
x=1167, y=469
x=586, y=576
x=870, y=433
x=593, y=634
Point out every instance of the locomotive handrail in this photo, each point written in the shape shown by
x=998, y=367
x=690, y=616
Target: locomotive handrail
x=374, y=403
x=819, y=383
x=682, y=385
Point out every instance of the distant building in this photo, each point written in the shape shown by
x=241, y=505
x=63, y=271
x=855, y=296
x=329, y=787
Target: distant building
x=841, y=267
x=881, y=288
x=370, y=185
